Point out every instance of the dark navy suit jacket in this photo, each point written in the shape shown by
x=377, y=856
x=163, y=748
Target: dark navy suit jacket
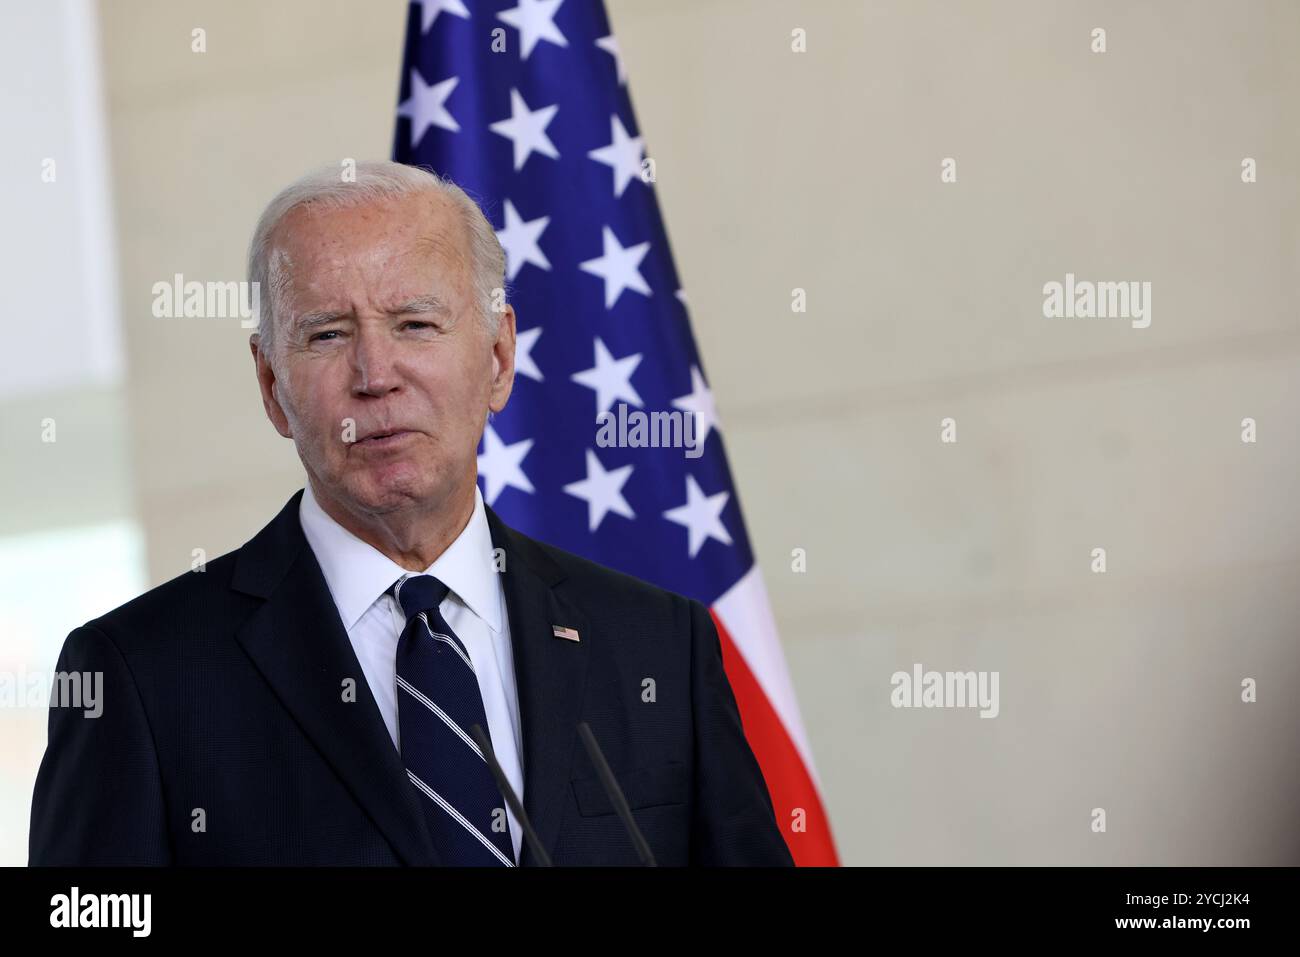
x=226, y=739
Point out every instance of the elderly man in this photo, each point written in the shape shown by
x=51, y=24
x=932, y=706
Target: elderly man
x=321, y=695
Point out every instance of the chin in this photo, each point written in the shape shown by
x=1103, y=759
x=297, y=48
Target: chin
x=393, y=486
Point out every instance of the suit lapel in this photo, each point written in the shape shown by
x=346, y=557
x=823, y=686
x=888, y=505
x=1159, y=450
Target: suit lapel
x=297, y=641
x=550, y=675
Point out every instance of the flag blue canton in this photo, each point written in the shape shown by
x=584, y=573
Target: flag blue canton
x=542, y=134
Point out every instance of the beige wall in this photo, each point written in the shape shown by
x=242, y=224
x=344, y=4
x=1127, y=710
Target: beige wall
x=821, y=171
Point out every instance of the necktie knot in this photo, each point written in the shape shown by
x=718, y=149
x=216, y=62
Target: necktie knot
x=417, y=593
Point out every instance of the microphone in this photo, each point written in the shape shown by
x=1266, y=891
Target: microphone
x=615, y=794
x=534, y=842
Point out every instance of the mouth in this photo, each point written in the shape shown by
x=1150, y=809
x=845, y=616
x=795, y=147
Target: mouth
x=384, y=440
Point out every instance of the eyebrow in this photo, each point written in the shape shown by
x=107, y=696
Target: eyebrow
x=420, y=305
x=310, y=320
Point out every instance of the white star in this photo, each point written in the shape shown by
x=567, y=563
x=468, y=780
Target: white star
x=519, y=239
x=602, y=491
x=701, y=515
x=535, y=21
x=527, y=129
x=611, y=378
x=618, y=267
x=429, y=10
x=610, y=46
x=524, y=363
x=681, y=297
x=425, y=107
x=699, y=402
x=623, y=155
x=499, y=464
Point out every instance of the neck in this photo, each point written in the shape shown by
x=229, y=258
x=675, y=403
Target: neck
x=411, y=537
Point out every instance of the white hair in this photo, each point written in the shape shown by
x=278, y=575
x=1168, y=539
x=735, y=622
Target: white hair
x=374, y=180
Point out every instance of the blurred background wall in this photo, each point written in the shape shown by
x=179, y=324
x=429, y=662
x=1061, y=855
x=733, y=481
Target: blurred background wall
x=777, y=170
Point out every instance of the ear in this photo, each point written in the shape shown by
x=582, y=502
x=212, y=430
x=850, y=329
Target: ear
x=266, y=381
x=503, y=361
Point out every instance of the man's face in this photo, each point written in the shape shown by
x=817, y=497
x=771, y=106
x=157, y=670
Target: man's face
x=377, y=327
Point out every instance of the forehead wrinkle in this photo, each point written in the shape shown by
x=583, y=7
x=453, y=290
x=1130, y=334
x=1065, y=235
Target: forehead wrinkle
x=442, y=270
x=442, y=249
x=330, y=266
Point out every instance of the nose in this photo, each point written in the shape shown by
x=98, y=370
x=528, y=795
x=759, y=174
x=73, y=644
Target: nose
x=374, y=361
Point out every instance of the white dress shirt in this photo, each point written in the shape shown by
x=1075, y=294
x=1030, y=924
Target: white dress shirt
x=358, y=576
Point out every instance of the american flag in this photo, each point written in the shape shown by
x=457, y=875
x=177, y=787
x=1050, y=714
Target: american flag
x=525, y=105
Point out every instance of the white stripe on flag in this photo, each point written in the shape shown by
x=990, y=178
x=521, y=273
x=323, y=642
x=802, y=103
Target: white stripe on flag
x=747, y=614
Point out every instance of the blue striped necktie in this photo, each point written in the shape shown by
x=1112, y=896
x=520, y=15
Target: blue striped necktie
x=438, y=701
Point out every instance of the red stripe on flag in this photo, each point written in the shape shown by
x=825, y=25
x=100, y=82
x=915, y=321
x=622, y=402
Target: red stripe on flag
x=787, y=778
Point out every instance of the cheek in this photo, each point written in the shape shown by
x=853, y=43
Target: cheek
x=311, y=408
x=456, y=391
x=478, y=373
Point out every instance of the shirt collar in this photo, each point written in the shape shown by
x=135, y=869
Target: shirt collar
x=358, y=574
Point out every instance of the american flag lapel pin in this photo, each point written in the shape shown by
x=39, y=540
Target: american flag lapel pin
x=561, y=632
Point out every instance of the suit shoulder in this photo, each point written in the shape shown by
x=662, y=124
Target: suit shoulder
x=157, y=614
x=585, y=576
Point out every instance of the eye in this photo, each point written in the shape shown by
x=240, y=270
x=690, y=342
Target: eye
x=320, y=335
x=418, y=322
